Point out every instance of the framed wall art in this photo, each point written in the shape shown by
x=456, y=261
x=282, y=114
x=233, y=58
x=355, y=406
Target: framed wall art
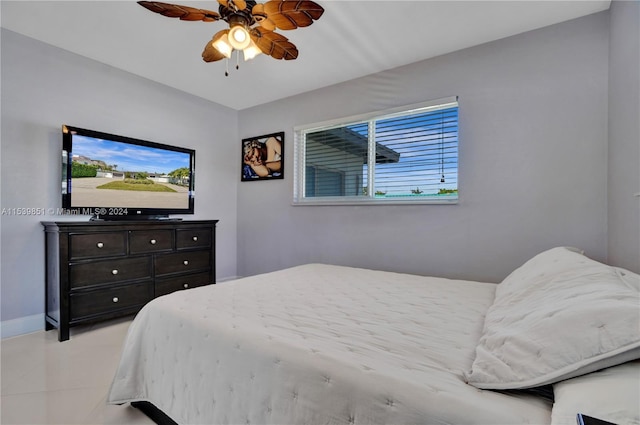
x=263, y=157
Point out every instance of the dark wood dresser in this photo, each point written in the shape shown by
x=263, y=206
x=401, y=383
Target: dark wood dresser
x=100, y=270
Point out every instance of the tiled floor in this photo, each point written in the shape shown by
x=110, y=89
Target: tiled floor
x=49, y=382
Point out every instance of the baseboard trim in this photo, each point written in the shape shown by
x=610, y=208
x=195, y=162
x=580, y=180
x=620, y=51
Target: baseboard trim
x=227, y=279
x=21, y=325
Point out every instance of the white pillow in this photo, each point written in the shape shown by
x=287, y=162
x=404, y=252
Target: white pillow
x=559, y=315
x=611, y=394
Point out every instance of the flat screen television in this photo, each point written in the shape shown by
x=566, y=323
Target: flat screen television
x=114, y=177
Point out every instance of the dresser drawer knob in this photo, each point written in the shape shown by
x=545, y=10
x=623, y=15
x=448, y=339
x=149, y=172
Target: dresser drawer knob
x=185, y=286
x=195, y=238
x=185, y=262
x=115, y=299
x=114, y=272
x=100, y=245
x=152, y=241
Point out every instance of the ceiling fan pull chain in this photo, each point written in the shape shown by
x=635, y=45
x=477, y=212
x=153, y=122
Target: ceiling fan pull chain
x=226, y=71
x=442, y=146
x=237, y=59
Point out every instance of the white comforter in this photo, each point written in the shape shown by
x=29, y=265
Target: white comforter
x=317, y=344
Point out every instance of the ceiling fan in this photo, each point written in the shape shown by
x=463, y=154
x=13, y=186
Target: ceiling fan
x=251, y=25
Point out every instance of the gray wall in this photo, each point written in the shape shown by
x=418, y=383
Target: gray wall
x=533, y=163
x=44, y=87
x=624, y=135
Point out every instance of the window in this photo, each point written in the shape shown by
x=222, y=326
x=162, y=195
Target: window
x=406, y=155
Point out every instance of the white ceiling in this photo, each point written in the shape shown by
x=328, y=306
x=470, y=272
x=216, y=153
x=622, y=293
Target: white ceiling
x=351, y=39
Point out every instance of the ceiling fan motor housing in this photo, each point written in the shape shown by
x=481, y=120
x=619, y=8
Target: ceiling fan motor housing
x=235, y=16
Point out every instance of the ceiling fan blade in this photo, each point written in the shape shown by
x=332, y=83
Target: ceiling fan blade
x=292, y=14
x=258, y=9
x=273, y=44
x=185, y=13
x=268, y=24
x=239, y=4
x=260, y=16
x=210, y=53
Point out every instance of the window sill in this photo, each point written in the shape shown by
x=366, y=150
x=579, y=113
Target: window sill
x=440, y=200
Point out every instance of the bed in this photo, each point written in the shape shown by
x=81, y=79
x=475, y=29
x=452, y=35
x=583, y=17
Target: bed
x=325, y=344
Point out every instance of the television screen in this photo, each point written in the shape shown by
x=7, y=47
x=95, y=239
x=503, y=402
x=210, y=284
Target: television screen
x=112, y=176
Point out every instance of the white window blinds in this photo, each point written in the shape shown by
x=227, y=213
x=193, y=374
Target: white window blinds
x=408, y=155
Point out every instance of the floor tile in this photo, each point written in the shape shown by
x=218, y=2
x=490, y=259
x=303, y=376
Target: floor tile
x=45, y=381
x=50, y=407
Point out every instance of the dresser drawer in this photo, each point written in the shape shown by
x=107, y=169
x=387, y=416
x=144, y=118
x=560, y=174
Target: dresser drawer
x=193, y=238
x=97, y=245
x=110, y=300
x=182, y=262
x=109, y=271
x=141, y=241
x=171, y=284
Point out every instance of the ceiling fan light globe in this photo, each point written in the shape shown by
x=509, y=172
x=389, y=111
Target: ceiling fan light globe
x=239, y=37
x=251, y=52
x=223, y=46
